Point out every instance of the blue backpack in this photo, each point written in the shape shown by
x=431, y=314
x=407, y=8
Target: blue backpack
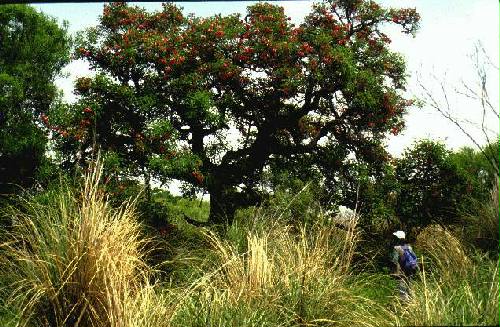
x=408, y=261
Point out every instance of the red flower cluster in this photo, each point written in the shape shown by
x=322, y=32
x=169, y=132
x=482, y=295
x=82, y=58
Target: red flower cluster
x=88, y=110
x=85, y=122
x=198, y=176
x=84, y=52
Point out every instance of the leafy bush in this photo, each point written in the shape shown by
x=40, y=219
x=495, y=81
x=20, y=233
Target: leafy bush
x=431, y=189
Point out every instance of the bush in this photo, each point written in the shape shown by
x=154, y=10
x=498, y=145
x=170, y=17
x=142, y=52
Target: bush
x=431, y=188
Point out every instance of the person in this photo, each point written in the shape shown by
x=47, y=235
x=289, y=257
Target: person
x=404, y=264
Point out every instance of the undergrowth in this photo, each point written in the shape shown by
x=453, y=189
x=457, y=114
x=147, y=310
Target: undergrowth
x=70, y=259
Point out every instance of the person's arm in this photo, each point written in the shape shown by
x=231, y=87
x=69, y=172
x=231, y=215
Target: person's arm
x=394, y=262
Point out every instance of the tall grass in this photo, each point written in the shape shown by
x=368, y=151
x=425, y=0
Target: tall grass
x=283, y=278
x=72, y=260
x=482, y=228
x=454, y=287
x=75, y=261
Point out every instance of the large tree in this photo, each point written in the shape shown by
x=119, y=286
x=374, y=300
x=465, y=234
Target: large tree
x=33, y=50
x=212, y=101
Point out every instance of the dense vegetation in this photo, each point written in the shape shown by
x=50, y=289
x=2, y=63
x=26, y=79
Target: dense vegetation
x=33, y=51
x=85, y=240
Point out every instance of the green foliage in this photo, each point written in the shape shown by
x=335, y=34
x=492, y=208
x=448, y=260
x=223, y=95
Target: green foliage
x=431, y=188
x=476, y=170
x=297, y=204
x=33, y=51
x=279, y=87
x=481, y=221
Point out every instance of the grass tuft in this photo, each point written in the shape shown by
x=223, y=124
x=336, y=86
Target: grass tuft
x=73, y=260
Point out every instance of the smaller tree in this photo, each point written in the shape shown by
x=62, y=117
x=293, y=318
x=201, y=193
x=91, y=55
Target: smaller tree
x=476, y=170
x=430, y=185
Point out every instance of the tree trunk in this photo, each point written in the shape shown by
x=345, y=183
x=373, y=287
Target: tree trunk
x=147, y=182
x=225, y=200
x=222, y=209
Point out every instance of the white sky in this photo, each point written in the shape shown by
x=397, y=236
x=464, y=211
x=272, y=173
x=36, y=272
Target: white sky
x=449, y=30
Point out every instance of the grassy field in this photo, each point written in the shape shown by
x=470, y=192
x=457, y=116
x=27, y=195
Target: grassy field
x=71, y=259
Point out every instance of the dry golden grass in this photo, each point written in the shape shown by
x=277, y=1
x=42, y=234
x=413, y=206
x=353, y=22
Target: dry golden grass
x=76, y=261
x=277, y=257
x=297, y=278
x=445, y=250
x=454, y=288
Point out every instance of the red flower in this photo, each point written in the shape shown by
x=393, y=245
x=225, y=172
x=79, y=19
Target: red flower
x=198, y=176
x=88, y=110
x=85, y=122
x=307, y=48
x=44, y=118
x=219, y=33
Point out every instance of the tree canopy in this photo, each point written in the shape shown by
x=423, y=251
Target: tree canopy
x=213, y=101
x=33, y=50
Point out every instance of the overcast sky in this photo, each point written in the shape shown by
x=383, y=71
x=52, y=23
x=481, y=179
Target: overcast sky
x=449, y=30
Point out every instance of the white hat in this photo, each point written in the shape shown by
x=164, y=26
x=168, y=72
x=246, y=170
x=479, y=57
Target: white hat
x=399, y=234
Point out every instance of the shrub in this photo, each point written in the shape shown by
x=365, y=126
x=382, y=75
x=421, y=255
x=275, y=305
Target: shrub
x=431, y=188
